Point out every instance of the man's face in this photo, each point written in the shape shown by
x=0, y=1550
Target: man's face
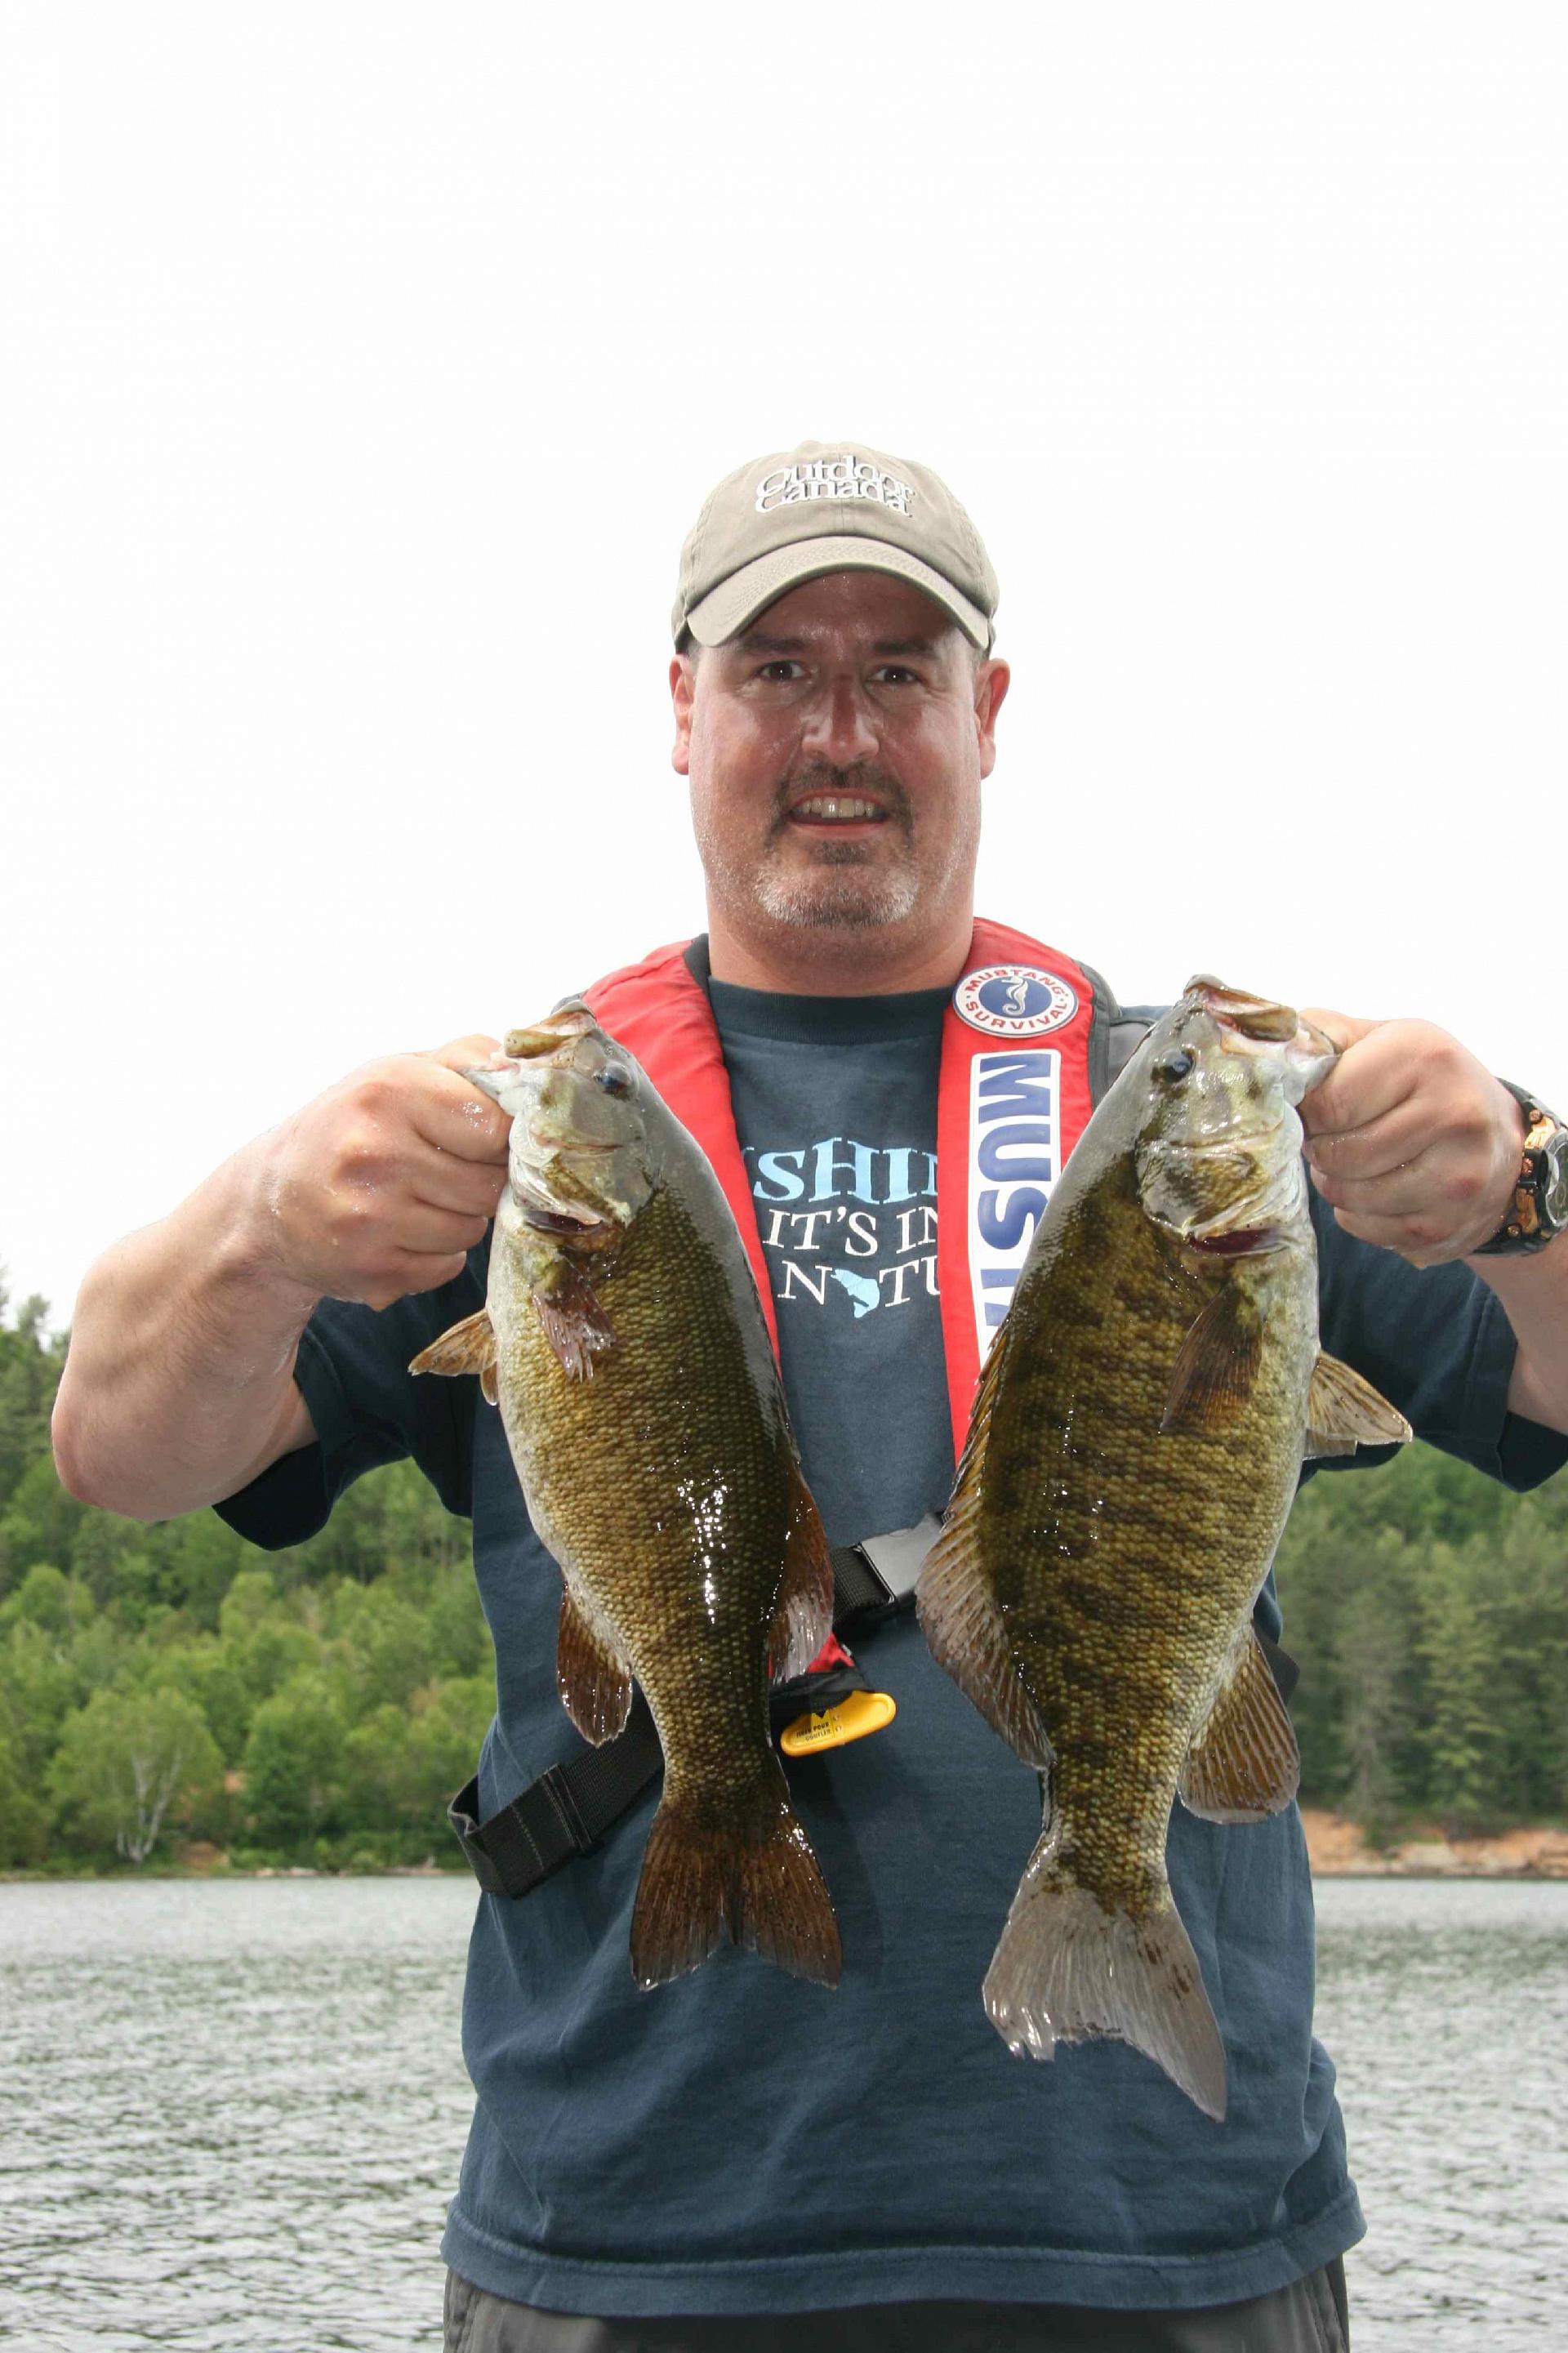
x=836, y=751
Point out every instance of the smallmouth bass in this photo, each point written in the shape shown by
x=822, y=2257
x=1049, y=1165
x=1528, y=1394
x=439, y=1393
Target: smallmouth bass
x=1131, y=1457
x=623, y=1341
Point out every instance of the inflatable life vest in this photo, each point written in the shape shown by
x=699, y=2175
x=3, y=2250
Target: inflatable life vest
x=1026, y=1054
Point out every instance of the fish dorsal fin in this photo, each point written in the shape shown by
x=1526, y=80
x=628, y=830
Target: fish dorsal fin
x=575, y=1324
x=956, y=1599
x=466, y=1347
x=593, y=1680
x=802, y=1619
x=1344, y=1411
x=1243, y=1764
x=1215, y=1367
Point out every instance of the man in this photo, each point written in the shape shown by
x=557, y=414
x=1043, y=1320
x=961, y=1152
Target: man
x=738, y=2156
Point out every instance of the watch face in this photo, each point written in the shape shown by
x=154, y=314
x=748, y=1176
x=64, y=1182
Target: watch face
x=1554, y=1182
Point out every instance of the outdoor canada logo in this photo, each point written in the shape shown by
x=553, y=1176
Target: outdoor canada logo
x=848, y=477
x=1014, y=1000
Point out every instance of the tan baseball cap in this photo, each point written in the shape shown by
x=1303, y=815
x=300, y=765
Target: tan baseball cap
x=829, y=506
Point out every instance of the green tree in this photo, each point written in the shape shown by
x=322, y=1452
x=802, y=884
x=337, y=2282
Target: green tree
x=42, y=1598
x=293, y=1762
x=39, y=1523
x=24, y=1827
x=206, y=1673
x=30, y=1375
x=132, y=1762
x=384, y=1642
x=39, y=1687
x=1376, y=1644
x=1464, y=1730
x=402, y=1766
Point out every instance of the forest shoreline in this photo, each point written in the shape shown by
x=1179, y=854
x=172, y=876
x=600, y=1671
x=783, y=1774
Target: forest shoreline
x=1336, y=1847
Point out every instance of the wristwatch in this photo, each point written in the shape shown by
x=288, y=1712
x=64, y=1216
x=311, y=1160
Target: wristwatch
x=1539, y=1210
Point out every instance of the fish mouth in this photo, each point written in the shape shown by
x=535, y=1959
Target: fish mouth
x=1259, y=1018
x=1253, y=1025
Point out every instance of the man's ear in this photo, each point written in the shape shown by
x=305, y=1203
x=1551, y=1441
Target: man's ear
x=682, y=687
x=992, y=680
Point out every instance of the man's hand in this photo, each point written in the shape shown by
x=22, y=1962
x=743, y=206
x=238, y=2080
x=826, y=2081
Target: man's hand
x=179, y=1387
x=1412, y=1141
x=381, y=1185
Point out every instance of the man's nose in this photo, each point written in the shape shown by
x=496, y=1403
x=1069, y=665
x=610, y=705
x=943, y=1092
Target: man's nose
x=840, y=725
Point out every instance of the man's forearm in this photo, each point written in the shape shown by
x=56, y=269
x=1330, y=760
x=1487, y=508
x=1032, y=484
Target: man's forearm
x=1533, y=1290
x=179, y=1385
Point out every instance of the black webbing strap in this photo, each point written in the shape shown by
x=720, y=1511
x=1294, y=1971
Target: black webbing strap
x=565, y=1812
x=568, y=1810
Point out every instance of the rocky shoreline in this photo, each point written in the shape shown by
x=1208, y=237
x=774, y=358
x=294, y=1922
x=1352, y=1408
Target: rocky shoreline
x=1339, y=1850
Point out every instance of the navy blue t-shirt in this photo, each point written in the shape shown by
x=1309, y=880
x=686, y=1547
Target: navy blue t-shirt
x=740, y=2141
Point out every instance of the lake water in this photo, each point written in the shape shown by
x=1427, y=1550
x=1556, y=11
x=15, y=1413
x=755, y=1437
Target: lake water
x=231, y=2112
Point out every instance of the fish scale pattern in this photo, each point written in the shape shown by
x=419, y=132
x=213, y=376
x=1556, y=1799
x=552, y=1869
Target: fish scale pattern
x=667, y=1487
x=1122, y=1591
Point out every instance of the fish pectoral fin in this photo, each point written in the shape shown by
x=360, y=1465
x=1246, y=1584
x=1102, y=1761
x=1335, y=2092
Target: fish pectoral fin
x=466, y=1347
x=803, y=1617
x=593, y=1680
x=575, y=1324
x=1215, y=1367
x=1244, y=1763
x=1344, y=1411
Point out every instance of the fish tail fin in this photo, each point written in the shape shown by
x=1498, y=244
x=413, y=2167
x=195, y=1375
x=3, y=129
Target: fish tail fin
x=740, y=1869
x=1067, y=1969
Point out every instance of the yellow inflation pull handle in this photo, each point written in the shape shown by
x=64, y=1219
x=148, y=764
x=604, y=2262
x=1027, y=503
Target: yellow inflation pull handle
x=850, y=1719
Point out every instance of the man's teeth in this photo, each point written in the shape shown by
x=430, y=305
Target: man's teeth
x=835, y=804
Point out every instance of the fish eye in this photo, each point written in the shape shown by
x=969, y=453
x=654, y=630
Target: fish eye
x=613, y=1079
x=1174, y=1066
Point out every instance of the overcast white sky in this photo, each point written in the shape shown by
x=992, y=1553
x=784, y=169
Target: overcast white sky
x=361, y=368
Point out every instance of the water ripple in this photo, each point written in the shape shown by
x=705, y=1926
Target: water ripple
x=233, y=2111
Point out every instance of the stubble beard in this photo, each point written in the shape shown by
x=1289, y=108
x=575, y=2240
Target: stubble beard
x=849, y=887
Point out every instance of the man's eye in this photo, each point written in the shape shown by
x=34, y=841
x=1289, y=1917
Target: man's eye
x=897, y=674
x=781, y=672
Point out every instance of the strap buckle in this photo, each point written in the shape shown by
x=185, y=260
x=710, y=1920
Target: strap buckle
x=895, y=1561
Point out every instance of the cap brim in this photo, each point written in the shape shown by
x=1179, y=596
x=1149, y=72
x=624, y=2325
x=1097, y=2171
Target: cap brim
x=726, y=610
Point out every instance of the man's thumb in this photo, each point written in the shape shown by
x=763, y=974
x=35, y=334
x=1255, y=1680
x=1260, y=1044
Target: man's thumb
x=464, y=1053
x=1340, y=1030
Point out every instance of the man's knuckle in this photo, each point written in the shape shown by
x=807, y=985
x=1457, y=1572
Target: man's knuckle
x=362, y=1158
x=374, y=1093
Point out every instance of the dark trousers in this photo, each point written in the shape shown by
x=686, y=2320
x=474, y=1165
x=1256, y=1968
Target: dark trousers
x=1307, y=2317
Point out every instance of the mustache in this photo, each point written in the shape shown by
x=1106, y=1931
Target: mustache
x=821, y=776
